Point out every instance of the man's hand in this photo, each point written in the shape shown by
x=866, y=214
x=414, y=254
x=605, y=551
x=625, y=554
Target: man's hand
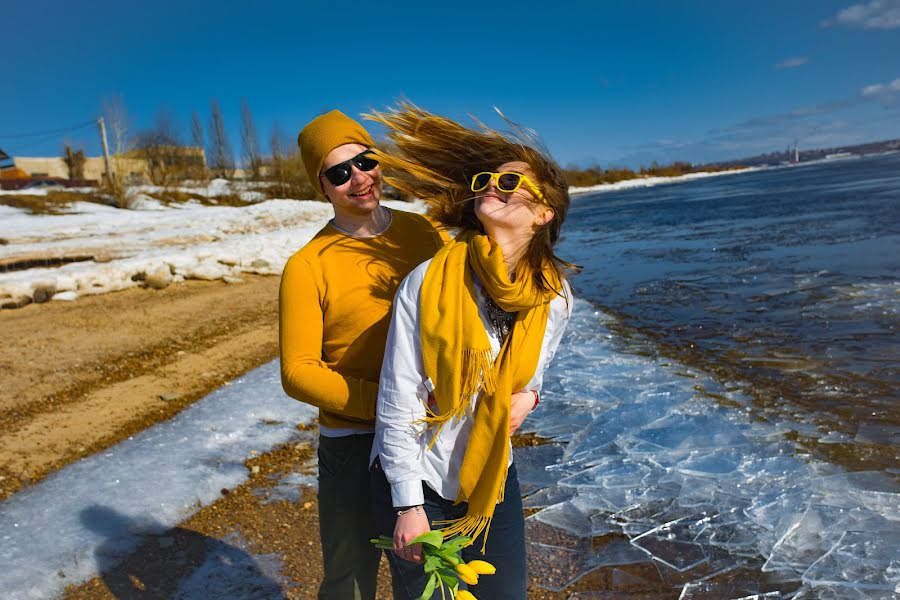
x=521, y=404
x=410, y=525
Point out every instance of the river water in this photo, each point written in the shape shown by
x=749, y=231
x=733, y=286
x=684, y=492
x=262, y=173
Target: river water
x=785, y=282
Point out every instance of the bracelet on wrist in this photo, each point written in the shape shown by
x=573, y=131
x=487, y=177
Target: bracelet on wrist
x=537, y=400
x=402, y=511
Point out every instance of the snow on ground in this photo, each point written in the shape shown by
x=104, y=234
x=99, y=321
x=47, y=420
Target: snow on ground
x=154, y=244
x=649, y=182
x=94, y=512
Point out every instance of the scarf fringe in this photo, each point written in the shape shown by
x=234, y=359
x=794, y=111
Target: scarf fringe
x=477, y=374
x=469, y=525
x=473, y=525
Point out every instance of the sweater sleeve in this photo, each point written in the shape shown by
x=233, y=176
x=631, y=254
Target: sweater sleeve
x=304, y=375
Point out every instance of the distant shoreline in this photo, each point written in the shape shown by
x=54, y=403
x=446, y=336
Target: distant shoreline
x=641, y=182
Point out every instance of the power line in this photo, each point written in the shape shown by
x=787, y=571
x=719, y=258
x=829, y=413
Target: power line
x=32, y=143
x=50, y=132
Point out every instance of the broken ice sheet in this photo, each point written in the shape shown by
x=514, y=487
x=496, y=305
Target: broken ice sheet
x=739, y=538
x=672, y=545
x=816, y=532
x=715, y=463
x=562, y=419
x=651, y=452
x=807, y=539
x=595, y=595
x=531, y=462
x=614, y=422
x=622, y=586
x=548, y=535
x=718, y=563
x=573, y=516
x=841, y=483
x=615, y=473
x=776, y=513
x=554, y=568
x=712, y=590
x=622, y=580
x=838, y=592
x=680, y=431
x=860, y=559
x=548, y=496
x=878, y=433
x=619, y=552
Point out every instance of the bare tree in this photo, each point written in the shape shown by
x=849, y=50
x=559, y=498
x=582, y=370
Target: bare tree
x=277, y=146
x=117, y=122
x=250, y=141
x=162, y=148
x=277, y=141
x=75, y=163
x=220, y=153
x=198, y=142
x=287, y=166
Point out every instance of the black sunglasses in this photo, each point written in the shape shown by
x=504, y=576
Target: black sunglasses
x=340, y=173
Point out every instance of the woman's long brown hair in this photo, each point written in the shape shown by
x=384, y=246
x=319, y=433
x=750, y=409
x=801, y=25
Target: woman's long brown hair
x=434, y=158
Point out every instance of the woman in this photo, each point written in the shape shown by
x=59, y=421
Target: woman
x=473, y=330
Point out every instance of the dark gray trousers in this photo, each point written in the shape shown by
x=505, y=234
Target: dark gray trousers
x=347, y=519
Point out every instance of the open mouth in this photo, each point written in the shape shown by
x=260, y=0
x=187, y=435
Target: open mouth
x=361, y=193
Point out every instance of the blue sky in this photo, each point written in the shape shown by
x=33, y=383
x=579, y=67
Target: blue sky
x=602, y=82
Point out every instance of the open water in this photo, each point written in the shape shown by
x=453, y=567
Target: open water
x=783, y=281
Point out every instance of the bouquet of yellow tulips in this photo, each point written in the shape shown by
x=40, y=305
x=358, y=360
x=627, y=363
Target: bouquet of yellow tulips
x=443, y=565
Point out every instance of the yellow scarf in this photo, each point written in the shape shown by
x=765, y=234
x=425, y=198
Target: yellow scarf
x=457, y=358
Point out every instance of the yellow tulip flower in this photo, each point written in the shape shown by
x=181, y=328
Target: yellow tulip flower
x=482, y=567
x=467, y=574
x=465, y=595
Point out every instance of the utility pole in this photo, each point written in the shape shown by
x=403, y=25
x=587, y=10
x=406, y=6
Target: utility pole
x=102, y=124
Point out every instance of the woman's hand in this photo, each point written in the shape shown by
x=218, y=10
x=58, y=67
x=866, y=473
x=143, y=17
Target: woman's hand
x=520, y=405
x=410, y=525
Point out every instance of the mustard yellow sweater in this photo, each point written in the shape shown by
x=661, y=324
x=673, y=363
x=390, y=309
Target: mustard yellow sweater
x=334, y=311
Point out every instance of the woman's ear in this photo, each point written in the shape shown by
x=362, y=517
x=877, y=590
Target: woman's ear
x=544, y=216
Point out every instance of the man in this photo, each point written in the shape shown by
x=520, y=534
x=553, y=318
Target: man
x=335, y=305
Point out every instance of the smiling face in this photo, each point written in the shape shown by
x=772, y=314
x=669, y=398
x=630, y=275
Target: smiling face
x=517, y=211
x=359, y=196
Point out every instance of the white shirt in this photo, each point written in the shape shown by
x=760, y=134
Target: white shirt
x=405, y=456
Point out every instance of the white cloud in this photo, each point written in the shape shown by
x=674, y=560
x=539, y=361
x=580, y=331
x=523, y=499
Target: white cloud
x=881, y=89
x=877, y=14
x=797, y=61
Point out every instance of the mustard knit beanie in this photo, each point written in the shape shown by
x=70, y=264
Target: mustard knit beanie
x=322, y=135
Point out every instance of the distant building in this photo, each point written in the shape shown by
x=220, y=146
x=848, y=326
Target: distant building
x=134, y=167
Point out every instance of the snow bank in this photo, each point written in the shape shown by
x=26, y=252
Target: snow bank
x=640, y=182
x=114, y=249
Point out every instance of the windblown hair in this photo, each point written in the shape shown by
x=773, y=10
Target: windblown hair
x=434, y=158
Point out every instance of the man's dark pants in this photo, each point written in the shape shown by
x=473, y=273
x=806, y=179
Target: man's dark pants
x=346, y=518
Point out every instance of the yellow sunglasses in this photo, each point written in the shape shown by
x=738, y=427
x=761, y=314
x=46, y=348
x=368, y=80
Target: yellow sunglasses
x=507, y=181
